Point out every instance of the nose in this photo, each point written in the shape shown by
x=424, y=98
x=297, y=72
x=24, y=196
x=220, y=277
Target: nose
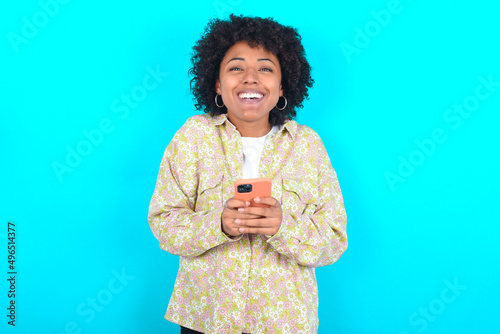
x=250, y=76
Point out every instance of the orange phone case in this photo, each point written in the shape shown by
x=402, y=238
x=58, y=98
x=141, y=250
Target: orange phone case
x=261, y=187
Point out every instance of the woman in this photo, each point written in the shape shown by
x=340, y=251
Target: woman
x=247, y=269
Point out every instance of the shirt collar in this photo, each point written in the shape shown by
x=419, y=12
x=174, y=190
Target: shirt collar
x=290, y=125
x=219, y=119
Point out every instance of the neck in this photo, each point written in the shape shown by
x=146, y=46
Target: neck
x=251, y=129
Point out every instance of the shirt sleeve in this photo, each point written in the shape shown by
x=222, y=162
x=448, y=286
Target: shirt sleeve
x=172, y=217
x=316, y=237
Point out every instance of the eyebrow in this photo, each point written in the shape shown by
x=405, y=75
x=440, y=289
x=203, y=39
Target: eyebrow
x=243, y=59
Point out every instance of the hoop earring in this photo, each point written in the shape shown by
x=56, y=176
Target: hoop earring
x=286, y=102
x=217, y=103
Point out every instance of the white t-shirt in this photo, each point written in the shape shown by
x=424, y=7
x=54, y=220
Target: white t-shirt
x=252, y=151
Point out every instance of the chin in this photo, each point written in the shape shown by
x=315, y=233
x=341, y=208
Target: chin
x=255, y=116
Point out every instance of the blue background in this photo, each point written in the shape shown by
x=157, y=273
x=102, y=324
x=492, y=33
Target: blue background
x=387, y=74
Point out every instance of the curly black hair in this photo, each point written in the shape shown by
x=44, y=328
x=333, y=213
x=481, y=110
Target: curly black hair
x=284, y=42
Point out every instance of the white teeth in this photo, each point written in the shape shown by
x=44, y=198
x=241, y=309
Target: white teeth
x=250, y=95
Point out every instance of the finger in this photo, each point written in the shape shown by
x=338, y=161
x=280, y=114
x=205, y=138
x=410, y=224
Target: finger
x=271, y=201
x=249, y=216
x=259, y=211
x=247, y=213
x=230, y=228
x=234, y=232
x=255, y=211
x=234, y=203
x=258, y=223
x=258, y=230
x=235, y=213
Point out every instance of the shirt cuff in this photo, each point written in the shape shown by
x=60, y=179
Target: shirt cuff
x=229, y=238
x=281, y=241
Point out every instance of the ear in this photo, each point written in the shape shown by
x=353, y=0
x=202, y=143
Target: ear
x=281, y=90
x=217, y=87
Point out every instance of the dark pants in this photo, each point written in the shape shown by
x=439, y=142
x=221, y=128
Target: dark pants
x=185, y=330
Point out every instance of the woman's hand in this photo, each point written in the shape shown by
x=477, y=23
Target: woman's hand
x=238, y=217
x=230, y=214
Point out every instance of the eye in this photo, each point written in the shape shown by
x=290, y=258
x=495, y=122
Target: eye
x=266, y=69
x=235, y=69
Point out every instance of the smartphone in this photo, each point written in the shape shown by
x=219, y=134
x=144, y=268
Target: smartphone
x=248, y=189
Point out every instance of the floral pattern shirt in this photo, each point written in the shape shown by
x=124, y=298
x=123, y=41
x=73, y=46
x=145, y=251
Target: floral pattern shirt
x=253, y=283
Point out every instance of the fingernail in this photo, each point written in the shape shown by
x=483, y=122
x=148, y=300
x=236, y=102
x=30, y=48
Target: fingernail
x=257, y=199
x=241, y=210
x=237, y=221
x=247, y=203
x=242, y=230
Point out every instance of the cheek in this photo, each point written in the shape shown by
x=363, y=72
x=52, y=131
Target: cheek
x=277, y=88
x=227, y=85
x=277, y=84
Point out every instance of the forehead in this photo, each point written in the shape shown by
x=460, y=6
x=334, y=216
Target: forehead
x=243, y=50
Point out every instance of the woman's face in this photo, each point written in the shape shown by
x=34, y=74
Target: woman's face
x=250, y=85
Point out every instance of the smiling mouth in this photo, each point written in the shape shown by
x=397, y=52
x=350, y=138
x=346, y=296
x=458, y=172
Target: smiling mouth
x=250, y=96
